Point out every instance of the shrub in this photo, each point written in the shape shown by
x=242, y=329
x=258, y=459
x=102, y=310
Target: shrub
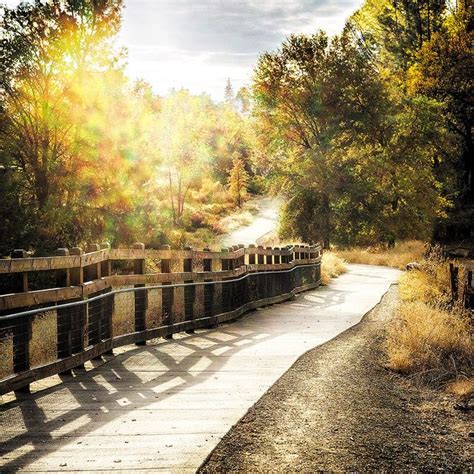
x=431, y=344
x=331, y=266
x=432, y=338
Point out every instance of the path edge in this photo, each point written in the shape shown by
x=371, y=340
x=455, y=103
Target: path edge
x=350, y=328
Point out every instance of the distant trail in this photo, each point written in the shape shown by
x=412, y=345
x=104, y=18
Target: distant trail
x=264, y=222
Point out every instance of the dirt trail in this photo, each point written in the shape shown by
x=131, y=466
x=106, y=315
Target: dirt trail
x=338, y=409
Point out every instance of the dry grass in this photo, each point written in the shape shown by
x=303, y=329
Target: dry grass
x=6, y=355
x=397, y=257
x=332, y=266
x=432, y=338
x=44, y=337
x=240, y=217
x=429, y=284
x=431, y=344
x=462, y=388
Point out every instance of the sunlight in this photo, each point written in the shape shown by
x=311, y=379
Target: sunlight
x=182, y=181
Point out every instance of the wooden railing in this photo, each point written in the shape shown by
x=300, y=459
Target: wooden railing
x=90, y=311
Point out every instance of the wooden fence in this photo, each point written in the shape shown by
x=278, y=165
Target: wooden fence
x=462, y=285
x=90, y=311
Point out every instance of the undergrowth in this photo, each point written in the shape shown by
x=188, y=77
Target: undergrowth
x=397, y=256
x=431, y=340
x=332, y=266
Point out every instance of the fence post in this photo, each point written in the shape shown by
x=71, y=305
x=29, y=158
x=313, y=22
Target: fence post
x=208, y=290
x=198, y=304
x=106, y=265
x=276, y=256
x=468, y=291
x=453, y=274
x=77, y=273
x=63, y=277
x=269, y=257
x=139, y=268
x=252, y=255
x=189, y=292
x=22, y=328
x=224, y=261
x=166, y=293
x=22, y=284
x=92, y=272
x=241, y=261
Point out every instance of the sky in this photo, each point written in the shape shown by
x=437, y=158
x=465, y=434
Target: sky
x=199, y=44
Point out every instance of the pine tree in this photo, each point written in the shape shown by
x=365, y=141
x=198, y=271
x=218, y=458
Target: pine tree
x=229, y=92
x=238, y=181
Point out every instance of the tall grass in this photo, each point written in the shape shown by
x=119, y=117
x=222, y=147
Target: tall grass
x=431, y=344
x=332, y=266
x=431, y=340
x=397, y=257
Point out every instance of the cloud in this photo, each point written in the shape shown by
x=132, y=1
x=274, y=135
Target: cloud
x=198, y=44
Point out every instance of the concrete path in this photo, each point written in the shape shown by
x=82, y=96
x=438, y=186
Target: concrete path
x=263, y=222
x=165, y=406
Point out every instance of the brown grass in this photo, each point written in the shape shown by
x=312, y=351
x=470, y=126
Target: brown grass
x=432, y=344
x=462, y=388
x=332, y=266
x=432, y=338
x=6, y=355
x=429, y=284
x=397, y=257
x=44, y=336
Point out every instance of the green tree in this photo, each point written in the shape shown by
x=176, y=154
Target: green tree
x=244, y=99
x=393, y=31
x=444, y=72
x=185, y=153
x=344, y=153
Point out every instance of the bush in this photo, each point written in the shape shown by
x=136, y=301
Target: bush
x=432, y=338
x=331, y=266
x=431, y=344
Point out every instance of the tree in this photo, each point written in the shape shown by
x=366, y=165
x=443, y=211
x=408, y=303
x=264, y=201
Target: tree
x=346, y=157
x=244, y=99
x=185, y=153
x=238, y=181
x=393, y=31
x=444, y=72
x=48, y=52
x=229, y=93
x=230, y=137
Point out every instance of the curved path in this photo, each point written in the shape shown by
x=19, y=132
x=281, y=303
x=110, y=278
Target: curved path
x=166, y=405
x=265, y=221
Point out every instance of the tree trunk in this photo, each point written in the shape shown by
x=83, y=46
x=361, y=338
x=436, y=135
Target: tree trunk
x=326, y=220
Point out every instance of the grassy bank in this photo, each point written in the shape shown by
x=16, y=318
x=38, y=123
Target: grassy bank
x=397, y=257
x=431, y=341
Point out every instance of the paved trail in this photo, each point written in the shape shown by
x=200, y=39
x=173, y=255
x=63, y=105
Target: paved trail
x=263, y=222
x=165, y=406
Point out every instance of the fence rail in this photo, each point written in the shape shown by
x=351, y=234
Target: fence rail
x=92, y=311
